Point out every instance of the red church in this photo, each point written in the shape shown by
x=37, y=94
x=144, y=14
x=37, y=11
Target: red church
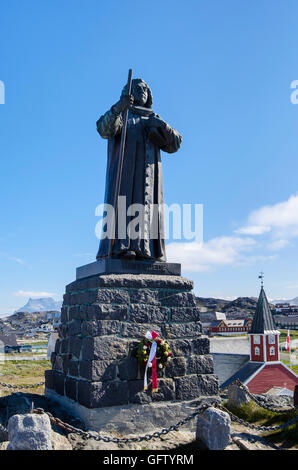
x=264, y=369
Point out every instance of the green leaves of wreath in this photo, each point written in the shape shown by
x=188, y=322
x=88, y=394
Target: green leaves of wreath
x=163, y=353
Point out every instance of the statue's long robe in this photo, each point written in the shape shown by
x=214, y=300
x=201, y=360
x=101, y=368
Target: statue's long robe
x=141, y=180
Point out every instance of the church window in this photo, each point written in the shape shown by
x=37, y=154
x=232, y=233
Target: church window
x=272, y=351
x=257, y=351
x=271, y=339
x=257, y=339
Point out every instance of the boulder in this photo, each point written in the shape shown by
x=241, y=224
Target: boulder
x=213, y=428
x=237, y=396
x=30, y=432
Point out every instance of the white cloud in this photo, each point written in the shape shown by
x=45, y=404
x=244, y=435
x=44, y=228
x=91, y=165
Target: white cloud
x=282, y=218
x=220, y=251
x=230, y=298
x=17, y=260
x=253, y=259
x=12, y=258
x=273, y=224
x=278, y=244
x=22, y=293
x=253, y=230
x=292, y=286
x=280, y=215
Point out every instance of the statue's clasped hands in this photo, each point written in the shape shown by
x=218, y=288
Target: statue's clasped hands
x=124, y=103
x=127, y=101
x=154, y=121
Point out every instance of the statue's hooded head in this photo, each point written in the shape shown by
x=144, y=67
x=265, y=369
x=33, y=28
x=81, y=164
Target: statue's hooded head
x=141, y=93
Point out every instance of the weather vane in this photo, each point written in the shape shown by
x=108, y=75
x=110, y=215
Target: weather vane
x=261, y=276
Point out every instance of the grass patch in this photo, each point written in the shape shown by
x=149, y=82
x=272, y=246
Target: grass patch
x=252, y=413
x=284, y=334
x=293, y=368
x=24, y=368
x=287, y=437
x=28, y=354
x=23, y=373
x=34, y=343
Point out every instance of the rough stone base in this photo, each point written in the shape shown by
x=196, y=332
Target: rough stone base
x=133, y=419
x=95, y=365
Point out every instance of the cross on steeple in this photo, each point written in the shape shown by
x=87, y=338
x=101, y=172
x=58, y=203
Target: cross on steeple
x=261, y=276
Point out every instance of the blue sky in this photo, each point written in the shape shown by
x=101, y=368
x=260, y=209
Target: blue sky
x=220, y=72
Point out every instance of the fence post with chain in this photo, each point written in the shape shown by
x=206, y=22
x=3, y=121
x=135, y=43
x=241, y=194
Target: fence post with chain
x=201, y=408
x=296, y=396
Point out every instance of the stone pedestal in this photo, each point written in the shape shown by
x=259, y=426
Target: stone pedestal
x=122, y=266
x=95, y=371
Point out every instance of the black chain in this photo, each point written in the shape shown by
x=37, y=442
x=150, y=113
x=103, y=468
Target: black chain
x=2, y=428
x=254, y=426
x=164, y=431
x=3, y=384
x=147, y=437
x=260, y=403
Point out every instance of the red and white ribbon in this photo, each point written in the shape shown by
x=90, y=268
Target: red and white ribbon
x=151, y=360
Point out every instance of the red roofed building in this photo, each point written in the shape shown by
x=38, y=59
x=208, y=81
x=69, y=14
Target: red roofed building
x=276, y=375
x=264, y=369
x=227, y=327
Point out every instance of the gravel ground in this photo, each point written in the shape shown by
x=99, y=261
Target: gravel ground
x=242, y=438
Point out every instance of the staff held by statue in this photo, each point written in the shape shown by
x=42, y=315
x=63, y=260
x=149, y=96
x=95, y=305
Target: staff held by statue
x=120, y=163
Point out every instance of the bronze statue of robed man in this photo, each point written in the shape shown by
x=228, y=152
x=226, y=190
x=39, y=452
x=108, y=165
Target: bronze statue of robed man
x=141, y=171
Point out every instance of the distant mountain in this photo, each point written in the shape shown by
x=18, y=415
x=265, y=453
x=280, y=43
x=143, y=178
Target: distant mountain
x=240, y=308
x=283, y=301
x=210, y=303
x=40, y=305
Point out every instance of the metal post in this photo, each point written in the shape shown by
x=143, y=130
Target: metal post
x=296, y=396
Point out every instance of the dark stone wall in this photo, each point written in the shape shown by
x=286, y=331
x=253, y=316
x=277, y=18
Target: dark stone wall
x=104, y=317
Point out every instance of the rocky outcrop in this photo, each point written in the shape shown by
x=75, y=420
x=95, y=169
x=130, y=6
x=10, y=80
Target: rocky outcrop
x=282, y=401
x=238, y=309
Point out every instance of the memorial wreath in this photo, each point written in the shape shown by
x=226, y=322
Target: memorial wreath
x=153, y=353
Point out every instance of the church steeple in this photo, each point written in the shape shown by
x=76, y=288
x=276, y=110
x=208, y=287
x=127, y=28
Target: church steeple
x=264, y=337
x=263, y=319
